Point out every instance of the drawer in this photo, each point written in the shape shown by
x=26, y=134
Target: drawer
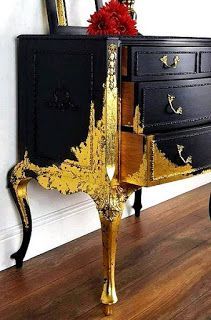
x=179, y=154
x=160, y=158
x=164, y=106
x=164, y=63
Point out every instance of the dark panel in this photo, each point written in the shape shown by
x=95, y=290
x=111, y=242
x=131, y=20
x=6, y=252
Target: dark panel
x=193, y=97
x=61, y=105
x=58, y=79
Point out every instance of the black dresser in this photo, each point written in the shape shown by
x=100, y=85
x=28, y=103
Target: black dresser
x=107, y=116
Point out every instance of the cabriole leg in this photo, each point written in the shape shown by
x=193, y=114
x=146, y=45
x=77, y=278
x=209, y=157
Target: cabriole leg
x=110, y=222
x=19, y=193
x=137, y=203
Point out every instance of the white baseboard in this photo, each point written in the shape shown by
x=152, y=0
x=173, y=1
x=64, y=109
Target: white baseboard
x=50, y=231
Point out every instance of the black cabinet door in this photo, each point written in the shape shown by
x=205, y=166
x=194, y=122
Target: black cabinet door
x=58, y=80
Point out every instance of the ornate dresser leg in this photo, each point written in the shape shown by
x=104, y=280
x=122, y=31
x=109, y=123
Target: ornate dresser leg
x=19, y=193
x=110, y=222
x=137, y=203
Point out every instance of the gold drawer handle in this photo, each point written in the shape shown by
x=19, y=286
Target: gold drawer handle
x=170, y=101
x=176, y=60
x=180, y=149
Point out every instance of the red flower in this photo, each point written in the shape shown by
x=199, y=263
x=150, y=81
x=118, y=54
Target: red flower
x=116, y=9
x=101, y=24
x=126, y=26
x=112, y=19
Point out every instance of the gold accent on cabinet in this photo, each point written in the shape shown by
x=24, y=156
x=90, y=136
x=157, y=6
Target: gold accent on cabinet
x=111, y=103
x=180, y=149
x=20, y=190
x=85, y=173
x=137, y=121
x=166, y=64
x=110, y=218
x=171, y=99
x=163, y=169
x=62, y=19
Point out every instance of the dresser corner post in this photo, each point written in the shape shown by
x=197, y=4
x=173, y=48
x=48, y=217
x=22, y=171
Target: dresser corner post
x=18, y=188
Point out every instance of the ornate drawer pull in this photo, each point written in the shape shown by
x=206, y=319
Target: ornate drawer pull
x=176, y=60
x=170, y=101
x=180, y=149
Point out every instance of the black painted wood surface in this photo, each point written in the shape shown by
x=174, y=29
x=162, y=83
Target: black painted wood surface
x=192, y=96
x=58, y=79
x=59, y=76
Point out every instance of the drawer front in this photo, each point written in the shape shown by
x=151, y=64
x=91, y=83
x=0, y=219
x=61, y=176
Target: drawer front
x=166, y=105
x=179, y=154
x=148, y=160
x=164, y=63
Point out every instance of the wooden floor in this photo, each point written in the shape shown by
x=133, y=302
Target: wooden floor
x=163, y=270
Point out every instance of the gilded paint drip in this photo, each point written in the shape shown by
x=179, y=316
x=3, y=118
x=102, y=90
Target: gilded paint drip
x=163, y=168
x=88, y=173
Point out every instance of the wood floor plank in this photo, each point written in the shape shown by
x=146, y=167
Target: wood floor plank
x=157, y=296
x=199, y=309
x=77, y=284
x=200, y=194
x=163, y=267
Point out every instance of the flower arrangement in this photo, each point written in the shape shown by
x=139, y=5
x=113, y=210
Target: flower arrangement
x=112, y=19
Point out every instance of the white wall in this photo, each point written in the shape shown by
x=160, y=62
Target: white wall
x=57, y=219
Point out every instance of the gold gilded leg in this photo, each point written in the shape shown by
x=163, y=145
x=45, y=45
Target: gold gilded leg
x=19, y=192
x=110, y=221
